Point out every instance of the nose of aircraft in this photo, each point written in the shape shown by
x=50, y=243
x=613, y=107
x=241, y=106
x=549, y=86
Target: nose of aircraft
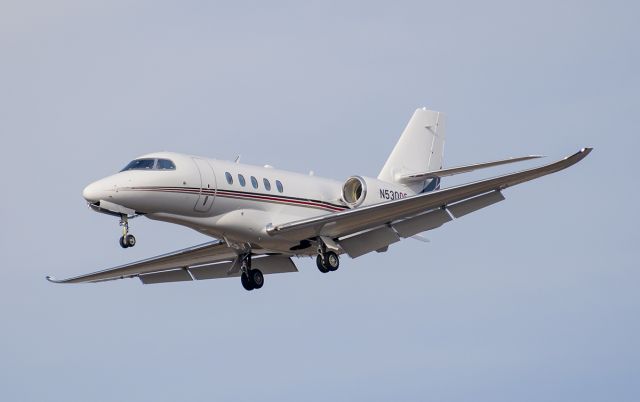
x=91, y=193
x=102, y=189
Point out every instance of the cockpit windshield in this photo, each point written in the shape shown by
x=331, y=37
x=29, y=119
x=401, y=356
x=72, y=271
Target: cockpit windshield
x=150, y=164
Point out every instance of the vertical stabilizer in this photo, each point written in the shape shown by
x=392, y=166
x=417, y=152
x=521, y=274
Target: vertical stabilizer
x=419, y=149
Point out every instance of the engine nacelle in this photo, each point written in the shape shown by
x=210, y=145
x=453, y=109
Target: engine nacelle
x=360, y=191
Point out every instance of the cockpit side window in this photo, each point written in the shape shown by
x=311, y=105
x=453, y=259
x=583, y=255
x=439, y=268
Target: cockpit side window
x=140, y=164
x=165, y=164
x=150, y=164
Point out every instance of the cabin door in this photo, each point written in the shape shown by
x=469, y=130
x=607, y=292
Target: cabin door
x=207, y=185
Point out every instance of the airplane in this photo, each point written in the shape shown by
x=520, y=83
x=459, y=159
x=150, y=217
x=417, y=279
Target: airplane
x=261, y=217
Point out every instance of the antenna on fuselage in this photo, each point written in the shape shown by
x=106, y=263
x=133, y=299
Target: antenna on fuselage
x=237, y=158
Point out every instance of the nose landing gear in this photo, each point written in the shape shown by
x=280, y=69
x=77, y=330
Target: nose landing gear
x=126, y=240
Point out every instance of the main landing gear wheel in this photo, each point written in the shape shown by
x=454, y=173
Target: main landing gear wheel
x=328, y=261
x=250, y=278
x=320, y=264
x=244, y=278
x=331, y=261
x=255, y=279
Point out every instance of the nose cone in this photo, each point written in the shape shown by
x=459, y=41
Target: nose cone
x=91, y=193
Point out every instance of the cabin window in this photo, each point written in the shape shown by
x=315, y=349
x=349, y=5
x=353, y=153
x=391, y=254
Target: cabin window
x=267, y=185
x=254, y=182
x=279, y=186
x=241, y=180
x=229, y=177
x=165, y=164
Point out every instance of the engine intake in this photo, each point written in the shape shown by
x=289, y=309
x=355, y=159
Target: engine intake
x=354, y=191
x=361, y=191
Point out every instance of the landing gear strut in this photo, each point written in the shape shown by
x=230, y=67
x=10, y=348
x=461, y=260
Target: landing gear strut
x=250, y=278
x=326, y=260
x=127, y=240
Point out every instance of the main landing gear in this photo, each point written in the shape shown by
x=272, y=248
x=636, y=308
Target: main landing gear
x=127, y=240
x=250, y=278
x=326, y=260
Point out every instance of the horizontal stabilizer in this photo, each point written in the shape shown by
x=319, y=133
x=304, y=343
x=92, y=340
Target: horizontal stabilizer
x=418, y=177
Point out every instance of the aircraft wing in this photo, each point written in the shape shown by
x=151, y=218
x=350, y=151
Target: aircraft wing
x=372, y=228
x=210, y=260
x=417, y=177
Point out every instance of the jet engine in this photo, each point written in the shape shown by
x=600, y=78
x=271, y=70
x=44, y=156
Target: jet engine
x=361, y=191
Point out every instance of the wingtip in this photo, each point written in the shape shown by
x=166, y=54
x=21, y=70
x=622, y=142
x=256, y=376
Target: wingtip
x=52, y=279
x=583, y=152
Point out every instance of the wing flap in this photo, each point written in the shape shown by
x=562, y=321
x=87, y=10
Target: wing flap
x=369, y=241
x=202, y=254
x=213, y=271
x=352, y=221
x=382, y=237
x=176, y=275
x=460, y=209
x=421, y=223
x=273, y=264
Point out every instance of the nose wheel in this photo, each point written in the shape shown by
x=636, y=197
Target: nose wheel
x=126, y=240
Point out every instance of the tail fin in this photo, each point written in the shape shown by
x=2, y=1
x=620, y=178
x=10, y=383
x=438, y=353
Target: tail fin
x=419, y=149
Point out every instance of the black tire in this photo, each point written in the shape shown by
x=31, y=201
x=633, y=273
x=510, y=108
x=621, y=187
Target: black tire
x=320, y=265
x=256, y=278
x=331, y=261
x=245, y=282
x=130, y=240
x=122, y=243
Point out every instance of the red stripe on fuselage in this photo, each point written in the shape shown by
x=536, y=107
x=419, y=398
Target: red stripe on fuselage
x=246, y=196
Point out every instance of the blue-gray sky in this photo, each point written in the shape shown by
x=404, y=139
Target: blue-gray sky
x=533, y=299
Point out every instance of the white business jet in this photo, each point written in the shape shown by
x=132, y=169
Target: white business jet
x=261, y=216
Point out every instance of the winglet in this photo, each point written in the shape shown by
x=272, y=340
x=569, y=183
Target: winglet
x=53, y=280
x=585, y=151
x=578, y=156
